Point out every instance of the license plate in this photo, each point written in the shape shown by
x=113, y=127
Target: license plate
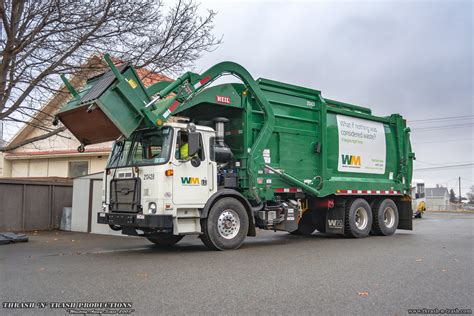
x=140, y=216
x=102, y=214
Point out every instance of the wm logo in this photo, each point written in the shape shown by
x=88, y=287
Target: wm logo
x=190, y=181
x=335, y=223
x=350, y=160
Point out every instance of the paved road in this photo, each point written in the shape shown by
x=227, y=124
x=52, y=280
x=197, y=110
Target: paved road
x=431, y=267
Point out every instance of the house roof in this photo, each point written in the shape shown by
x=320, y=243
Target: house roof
x=436, y=192
x=94, y=66
x=57, y=153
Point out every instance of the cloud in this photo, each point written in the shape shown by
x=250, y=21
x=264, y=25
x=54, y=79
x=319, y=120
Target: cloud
x=409, y=57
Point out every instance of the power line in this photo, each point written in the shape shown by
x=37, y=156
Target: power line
x=444, y=141
x=442, y=127
x=443, y=119
x=442, y=163
x=446, y=167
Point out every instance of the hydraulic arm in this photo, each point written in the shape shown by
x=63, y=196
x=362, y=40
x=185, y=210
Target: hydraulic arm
x=154, y=105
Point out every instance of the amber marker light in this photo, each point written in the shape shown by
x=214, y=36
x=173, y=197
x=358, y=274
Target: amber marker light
x=169, y=172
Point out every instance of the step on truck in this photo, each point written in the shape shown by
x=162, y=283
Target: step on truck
x=222, y=160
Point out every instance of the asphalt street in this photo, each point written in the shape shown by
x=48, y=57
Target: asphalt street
x=429, y=267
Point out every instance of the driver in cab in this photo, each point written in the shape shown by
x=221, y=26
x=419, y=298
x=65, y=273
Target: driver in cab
x=184, y=149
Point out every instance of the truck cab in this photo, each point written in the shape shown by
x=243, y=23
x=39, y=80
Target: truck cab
x=152, y=182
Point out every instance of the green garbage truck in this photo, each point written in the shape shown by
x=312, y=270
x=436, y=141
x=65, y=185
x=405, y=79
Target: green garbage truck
x=191, y=156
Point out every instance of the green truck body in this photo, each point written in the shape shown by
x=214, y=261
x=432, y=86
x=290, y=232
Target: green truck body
x=285, y=139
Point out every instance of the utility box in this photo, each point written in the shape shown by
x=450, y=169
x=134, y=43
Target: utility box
x=86, y=204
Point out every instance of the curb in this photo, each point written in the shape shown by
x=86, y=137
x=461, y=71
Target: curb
x=455, y=212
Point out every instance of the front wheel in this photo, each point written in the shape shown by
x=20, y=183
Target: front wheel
x=165, y=240
x=226, y=225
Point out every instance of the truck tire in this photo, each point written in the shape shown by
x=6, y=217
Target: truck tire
x=165, y=240
x=385, y=217
x=357, y=219
x=226, y=225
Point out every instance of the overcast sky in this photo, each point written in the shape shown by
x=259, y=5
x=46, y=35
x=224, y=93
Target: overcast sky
x=409, y=57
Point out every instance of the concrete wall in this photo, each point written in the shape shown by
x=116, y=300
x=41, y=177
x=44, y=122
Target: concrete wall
x=17, y=162
x=50, y=167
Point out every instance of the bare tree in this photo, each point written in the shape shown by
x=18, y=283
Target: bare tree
x=41, y=39
x=470, y=195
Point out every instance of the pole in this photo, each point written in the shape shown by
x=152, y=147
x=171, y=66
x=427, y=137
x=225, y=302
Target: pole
x=459, y=190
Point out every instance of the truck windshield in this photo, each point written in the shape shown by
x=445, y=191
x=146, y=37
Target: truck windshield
x=145, y=147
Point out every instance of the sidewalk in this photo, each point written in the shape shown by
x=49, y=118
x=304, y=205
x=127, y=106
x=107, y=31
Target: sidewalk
x=450, y=211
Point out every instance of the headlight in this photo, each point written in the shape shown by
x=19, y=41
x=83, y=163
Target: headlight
x=152, y=207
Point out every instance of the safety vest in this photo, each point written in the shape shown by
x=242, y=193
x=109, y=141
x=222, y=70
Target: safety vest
x=183, y=151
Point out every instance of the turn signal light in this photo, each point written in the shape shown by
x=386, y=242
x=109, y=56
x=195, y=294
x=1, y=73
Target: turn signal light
x=169, y=172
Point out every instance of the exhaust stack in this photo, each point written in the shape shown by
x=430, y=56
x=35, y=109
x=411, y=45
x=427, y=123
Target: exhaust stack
x=220, y=151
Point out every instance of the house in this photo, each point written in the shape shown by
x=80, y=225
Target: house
x=437, y=198
x=57, y=156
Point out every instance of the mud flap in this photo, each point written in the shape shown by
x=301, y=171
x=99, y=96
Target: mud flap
x=335, y=219
x=405, y=214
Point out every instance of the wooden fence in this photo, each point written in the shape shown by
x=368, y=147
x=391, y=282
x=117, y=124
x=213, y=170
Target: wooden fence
x=28, y=204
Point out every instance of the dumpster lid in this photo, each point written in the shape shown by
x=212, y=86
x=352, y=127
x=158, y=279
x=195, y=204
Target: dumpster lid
x=104, y=82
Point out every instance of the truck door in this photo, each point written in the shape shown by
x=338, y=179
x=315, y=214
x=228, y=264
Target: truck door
x=190, y=183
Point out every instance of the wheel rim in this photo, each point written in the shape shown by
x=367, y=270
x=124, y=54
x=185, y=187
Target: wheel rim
x=389, y=217
x=361, y=218
x=228, y=224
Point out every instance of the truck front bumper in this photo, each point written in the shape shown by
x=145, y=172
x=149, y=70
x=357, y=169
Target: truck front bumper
x=156, y=222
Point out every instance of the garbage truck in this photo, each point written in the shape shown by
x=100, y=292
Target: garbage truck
x=222, y=161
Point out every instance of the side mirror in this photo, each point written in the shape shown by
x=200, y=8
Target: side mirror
x=193, y=143
x=195, y=162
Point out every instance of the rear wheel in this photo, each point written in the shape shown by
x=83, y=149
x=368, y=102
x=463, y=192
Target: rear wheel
x=226, y=225
x=165, y=240
x=385, y=217
x=358, y=219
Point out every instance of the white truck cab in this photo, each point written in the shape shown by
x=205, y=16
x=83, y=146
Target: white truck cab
x=147, y=176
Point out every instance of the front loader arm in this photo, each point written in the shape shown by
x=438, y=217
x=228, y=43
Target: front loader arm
x=191, y=84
